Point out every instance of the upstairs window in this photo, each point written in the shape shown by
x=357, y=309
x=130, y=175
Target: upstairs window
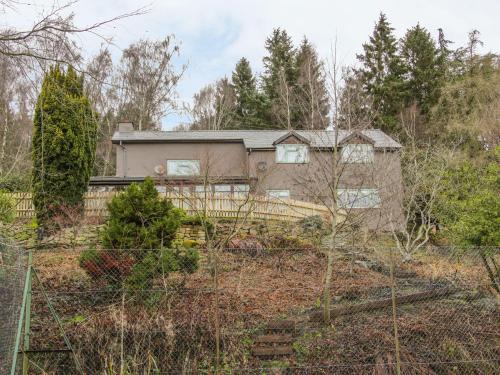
x=183, y=167
x=358, y=198
x=357, y=153
x=292, y=153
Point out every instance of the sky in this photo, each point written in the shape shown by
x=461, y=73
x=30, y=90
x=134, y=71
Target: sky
x=215, y=34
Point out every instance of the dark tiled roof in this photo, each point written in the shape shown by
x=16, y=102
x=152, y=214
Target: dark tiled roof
x=252, y=139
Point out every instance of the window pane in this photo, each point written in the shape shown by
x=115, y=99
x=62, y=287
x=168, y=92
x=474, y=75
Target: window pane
x=278, y=194
x=201, y=188
x=358, y=198
x=241, y=188
x=222, y=188
x=290, y=153
x=357, y=153
x=183, y=167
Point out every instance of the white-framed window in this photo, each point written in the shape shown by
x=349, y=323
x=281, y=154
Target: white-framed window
x=358, y=198
x=357, y=153
x=186, y=191
x=222, y=189
x=199, y=189
x=292, y=153
x=241, y=188
x=183, y=167
x=281, y=194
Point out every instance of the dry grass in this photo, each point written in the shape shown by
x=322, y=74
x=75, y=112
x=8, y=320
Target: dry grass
x=177, y=321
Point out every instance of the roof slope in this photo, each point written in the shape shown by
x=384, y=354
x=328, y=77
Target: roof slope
x=252, y=139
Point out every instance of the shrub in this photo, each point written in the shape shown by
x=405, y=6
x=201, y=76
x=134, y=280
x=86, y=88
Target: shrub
x=140, y=219
x=312, y=223
x=138, y=240
x=282, y=242
x=63, y=144
x=7, y=208
x=15, y=182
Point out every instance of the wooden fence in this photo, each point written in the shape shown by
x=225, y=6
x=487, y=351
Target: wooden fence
x=215, y=205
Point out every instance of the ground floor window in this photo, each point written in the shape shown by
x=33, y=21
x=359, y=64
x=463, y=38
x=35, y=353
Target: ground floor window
x=218, y=189
x=222, y=188
x=241, y=190
x=358, y=198
x=281, y=194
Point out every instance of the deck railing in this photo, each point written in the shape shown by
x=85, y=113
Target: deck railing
x=218, y=205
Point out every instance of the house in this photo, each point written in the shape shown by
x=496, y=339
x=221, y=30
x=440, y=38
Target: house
x=303, y=165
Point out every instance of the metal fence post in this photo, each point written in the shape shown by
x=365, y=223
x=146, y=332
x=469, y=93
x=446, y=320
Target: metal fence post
x=27, y=317
x=394, y=316
x=27, y=283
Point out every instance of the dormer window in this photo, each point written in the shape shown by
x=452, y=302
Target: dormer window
x=292, y=153
x=357, y=153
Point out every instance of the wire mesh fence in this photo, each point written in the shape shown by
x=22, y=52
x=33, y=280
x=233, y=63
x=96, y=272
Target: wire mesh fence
x=260, y=311
x=12, y=277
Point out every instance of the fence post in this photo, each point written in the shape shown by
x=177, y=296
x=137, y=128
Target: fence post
x=20, y=322
x=394, y=322
x=27, y=317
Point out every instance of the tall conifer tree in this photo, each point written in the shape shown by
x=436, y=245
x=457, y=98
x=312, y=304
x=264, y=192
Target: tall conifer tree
x=424, y=76
x=382, y=76
x=64, y=142
x=311, y=93
x=249, y=111
x=279, y=79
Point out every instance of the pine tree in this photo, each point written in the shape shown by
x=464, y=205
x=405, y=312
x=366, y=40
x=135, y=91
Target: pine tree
x=64, y=142
x=382, y=76
x=279, y=79
x=424, y=76
x=311, y=93
x=249, y=111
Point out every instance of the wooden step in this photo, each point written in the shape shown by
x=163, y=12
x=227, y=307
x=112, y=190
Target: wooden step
x=274, y=339
x=272, y=351
x=281, y=325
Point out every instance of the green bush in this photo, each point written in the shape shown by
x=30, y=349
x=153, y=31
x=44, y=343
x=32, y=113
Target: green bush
x=63, y=145
x=138, y=240
x=140, y=219
x=7, y=208
x=312, y=223
x=14, y=183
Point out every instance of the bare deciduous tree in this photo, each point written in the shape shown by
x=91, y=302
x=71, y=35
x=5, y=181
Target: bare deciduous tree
x=213, y=107
x=51, y=32
x=423, y=166
x=148, y=81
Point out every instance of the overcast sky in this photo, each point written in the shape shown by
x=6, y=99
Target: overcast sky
x=214, y=34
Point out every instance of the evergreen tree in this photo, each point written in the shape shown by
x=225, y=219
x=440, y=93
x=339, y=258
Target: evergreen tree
x=249, y=108
x=64, y=142
x=279, y=80
x=311, y=93
x=424, y=76
x=444, y=55
x=382, y=76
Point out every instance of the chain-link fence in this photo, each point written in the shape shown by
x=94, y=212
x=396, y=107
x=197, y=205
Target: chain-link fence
x=12, y=277
x=259, y=311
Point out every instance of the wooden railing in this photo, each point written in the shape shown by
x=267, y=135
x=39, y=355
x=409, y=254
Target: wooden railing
x=215, y=205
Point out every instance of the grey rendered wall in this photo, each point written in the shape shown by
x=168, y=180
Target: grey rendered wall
x=221, y=159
